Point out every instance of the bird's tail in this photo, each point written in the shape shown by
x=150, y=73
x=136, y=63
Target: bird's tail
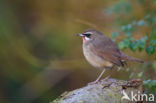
x=129, y=58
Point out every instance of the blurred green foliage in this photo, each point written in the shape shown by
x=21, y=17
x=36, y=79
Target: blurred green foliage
x=149, y=86
x=130, y=28
x=148, y=42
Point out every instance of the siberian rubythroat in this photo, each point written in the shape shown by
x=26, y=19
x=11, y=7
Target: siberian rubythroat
x=101, y=52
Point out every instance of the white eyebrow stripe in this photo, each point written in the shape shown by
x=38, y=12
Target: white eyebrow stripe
x=86, y=38
x=88, y=33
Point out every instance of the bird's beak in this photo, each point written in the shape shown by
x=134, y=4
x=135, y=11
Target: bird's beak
x=79, y=34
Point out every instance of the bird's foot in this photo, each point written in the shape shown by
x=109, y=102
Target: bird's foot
x=106, y=79
x=94, y=82
x=98, y=81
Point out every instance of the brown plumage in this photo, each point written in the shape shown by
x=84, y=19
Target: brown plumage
x=100, y=51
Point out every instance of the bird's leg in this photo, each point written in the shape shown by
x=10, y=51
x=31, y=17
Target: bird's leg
x=100, y=75
x=106, y=79
x=97, y=80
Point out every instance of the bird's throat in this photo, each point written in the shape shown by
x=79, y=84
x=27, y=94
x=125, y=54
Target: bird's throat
x=83, y=38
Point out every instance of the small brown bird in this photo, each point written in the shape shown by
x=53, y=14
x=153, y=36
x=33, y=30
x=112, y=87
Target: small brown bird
x=101, y=52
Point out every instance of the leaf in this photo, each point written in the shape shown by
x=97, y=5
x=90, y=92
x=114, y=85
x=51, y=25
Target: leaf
x=133, y=46
x=140, y=74
x=121, y=7
x=131, y=75
x=153, y=43
x=123, y=28
x=121, y=45
x=149, y=83
x=146, y=82
x=144, y=39
x=141, y=23
x=115, y=34
x=149, y=50
x=154, y=37
x=141, y=43
x=126, y=42
x=129, y=26
x=153, y=83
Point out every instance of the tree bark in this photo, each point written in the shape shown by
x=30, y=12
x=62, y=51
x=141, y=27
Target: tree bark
x=106, y=91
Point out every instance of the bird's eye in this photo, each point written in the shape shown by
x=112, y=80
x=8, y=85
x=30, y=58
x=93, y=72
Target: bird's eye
x=87, y=35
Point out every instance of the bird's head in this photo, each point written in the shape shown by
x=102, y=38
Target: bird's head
x=89, y=35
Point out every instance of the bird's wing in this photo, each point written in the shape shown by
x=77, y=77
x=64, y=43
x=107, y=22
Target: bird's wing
x=106, y=49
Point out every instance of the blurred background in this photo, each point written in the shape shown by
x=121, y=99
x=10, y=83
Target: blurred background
x=41, y=56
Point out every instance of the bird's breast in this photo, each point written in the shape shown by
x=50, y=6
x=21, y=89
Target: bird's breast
x=94, y=59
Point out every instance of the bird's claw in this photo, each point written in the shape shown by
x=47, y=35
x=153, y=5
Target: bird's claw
x=94, y=82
